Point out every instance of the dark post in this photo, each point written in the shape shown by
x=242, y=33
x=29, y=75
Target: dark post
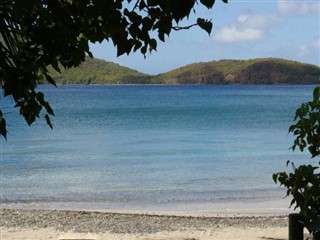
x=295, y=226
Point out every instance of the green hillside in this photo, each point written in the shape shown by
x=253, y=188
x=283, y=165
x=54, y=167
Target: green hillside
x=95, y=71
x=255, y=71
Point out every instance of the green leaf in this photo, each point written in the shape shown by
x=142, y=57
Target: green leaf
x=292, y=202
x=50, y=80
x=121, y=49
x=143, y=50
x=274, y=177
x=3, y=126
x=153, y=3
x=40, y=98
x=137, y=46
x=208, y=3
x=90, y=54
x=147, y=24
x=316, y=94
x=205, y=25
x=161, y=36
x=182, y=9
x=153, y=44
x=291, y=128
x=48, y=121
x=142, y=5
x=54, y=64
x=48, y=108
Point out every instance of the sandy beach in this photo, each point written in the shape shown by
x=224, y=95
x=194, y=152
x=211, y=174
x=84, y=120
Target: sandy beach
x=64, y=225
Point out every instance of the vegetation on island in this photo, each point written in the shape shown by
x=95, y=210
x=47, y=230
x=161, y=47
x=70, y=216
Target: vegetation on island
x=253, y=71
x=95, y=71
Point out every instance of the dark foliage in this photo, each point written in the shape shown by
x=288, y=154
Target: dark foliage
x=304, y=183
x=41, y=33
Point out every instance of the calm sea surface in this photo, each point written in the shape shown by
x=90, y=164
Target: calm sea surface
x=125, y=146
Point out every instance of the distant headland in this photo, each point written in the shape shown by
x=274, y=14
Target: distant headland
x=253, y=71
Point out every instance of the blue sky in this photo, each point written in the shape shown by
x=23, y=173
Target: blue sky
x=242, y=30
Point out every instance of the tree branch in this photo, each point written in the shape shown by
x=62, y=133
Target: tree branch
x=178, y=28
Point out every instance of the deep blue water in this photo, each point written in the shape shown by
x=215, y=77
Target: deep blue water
x=151, y=145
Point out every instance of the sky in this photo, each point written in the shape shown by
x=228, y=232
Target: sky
x=243, y=29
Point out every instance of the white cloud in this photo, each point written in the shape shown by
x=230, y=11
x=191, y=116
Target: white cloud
x=257, y=21
x=303, y=50
x=315, y=44
x=248, y=27
x=311, y=47
x=233, y=34
x=292, y=7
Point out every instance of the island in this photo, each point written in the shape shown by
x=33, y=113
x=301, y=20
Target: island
x=252, y=71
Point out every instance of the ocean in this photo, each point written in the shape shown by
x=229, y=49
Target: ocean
x=151, y=147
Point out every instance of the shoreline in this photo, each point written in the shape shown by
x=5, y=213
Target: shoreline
x=240, y=207
x=67, y=224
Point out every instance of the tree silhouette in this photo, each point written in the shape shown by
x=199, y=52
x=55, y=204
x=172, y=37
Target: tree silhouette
x=41, y=33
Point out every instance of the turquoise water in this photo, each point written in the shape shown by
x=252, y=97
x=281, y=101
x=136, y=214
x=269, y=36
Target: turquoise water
x=124, y=146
